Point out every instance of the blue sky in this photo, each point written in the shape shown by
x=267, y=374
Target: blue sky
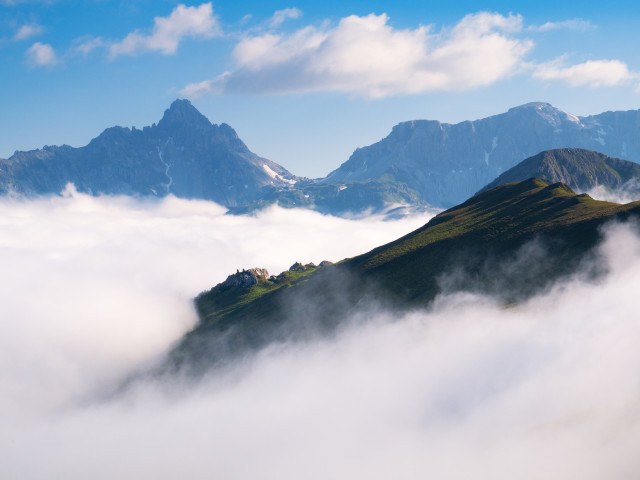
x=304, y=83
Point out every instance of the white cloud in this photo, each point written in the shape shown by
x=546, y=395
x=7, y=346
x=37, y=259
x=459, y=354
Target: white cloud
x=548, y=389
x=42, y=55
x=86, y=45
x=28, y=31
x=94, y=287
x=592, y=73
x=280, y=16
x=168, y=32
x=367, y=56
x=577, y=24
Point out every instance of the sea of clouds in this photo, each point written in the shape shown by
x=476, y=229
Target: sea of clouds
x=96, y=288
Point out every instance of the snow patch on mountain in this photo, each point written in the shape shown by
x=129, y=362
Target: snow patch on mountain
x=276, y=176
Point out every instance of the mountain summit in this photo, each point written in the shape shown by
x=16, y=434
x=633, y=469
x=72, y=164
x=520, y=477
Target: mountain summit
x=447, y=163
x=184, y=155
x=182, y=114
x=421, y=163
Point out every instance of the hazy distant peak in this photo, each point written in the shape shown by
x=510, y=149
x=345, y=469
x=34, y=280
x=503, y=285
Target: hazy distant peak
x=547, y=111
x=228, y=130
x=537, y=105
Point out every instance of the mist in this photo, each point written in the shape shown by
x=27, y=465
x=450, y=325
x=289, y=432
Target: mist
x=629, y=192
x=97, y=287
x=93, y=288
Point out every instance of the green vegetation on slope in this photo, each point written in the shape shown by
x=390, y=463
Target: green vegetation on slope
x=489, y=229
x=221, y=301
x=480, y=245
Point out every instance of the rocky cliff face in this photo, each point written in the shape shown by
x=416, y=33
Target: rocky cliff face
x=245, y=278
x=447, y=163
x=184, y=154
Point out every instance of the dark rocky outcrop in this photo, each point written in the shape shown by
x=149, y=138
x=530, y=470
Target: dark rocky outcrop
x=245, y=278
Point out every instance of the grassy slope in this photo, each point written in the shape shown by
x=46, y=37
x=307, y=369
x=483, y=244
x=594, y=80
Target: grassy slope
x=479, y=235
x=494, y=223
x=216, y=304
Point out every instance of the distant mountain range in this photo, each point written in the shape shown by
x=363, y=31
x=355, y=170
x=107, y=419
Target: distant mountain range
x=184, y=154
x=510, y=241
x=446, y=164
x=421, y=163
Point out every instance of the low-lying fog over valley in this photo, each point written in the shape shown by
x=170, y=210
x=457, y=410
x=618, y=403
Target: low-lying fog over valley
x=174, y=175
x=97, y=288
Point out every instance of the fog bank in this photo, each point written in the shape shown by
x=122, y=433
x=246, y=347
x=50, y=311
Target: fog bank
x=466, y=389
x=95, y=287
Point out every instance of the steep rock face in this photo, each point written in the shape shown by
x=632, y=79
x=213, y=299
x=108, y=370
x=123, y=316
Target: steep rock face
x=184, y=155
x=581, y=169
x=447, y=163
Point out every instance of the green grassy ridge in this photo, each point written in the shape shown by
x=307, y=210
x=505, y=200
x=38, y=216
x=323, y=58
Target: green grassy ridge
x=512, y=209
x=479, y=237
x=491, y=227
x=246, y=320
x=215, y=304
x=497, y=221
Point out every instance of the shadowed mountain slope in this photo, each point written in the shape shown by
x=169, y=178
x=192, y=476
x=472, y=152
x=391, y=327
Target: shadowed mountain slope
x=581, y=169
x=511, y=242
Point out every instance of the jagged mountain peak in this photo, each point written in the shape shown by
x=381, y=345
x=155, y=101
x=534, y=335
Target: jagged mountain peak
x=184, y=155
x=183, y=113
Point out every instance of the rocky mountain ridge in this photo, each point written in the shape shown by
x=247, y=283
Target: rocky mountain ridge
x=447, y=163
x=184, y=154
x=420, y=164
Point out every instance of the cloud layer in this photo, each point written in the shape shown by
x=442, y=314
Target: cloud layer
x=28, y=31
x=360, y=55
x=592, y=73
x=281, y=16
x=548, y=389
x=93, y=288
x=41, y=55
x=367, y=56
x=168, y=32
x=577, y=24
